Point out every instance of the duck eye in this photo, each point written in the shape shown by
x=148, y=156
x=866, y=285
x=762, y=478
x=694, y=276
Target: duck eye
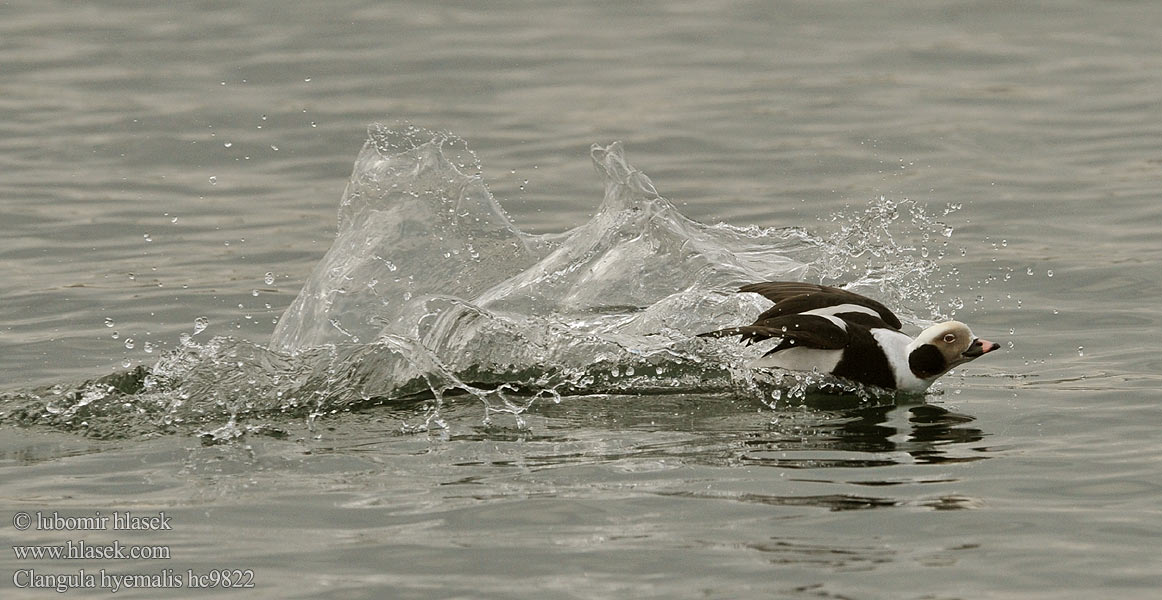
x=949, y=338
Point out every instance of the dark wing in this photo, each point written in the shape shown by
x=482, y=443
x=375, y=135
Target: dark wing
x=810, y=331
x=793, y=297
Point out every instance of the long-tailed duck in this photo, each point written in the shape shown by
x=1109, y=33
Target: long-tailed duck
x=848, y=335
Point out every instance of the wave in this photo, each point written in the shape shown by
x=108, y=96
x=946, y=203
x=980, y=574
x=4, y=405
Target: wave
x=430, y=289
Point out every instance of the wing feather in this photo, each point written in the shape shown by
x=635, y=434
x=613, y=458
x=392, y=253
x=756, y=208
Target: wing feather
x=811, y=331
x=793, y=297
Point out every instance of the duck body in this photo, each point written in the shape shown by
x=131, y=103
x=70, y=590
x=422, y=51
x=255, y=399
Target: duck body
x=832, y=330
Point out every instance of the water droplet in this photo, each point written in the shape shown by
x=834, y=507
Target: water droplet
x=147, y=238
x=273, y=147
x=314, y=124
x=228, y=144
x=268, y=278
x=1049, y=273
x=108, y=322
x=1081, y=350
x=148, y=347
x=1004, y=243
x=253, y=292
x=173, y=220
x=129, y=343
x=200, y=324
x=1028, y=270
x=308, y=79
x=115, y=335
x=213, y=180
x=628, y=371
x=1012, y=331
x=125, y=363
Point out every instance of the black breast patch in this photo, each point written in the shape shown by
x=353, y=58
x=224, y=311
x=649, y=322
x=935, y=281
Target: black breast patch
x=864, y=360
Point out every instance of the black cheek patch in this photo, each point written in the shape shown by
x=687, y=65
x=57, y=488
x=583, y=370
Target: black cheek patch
x=926, y=361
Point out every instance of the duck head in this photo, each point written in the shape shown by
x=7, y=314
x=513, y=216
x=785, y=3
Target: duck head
x=944, y=346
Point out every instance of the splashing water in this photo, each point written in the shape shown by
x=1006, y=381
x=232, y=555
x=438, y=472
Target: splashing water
x=874, y=252
x=429, y=289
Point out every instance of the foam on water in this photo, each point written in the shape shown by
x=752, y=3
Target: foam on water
x=430, y=289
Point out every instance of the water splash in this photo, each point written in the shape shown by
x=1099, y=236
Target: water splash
x=411, y=224
x=892, y=251
x=430, y=291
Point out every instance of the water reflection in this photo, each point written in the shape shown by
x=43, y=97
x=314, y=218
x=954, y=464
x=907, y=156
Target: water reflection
x=866, y=437
x=838, y=458
x=725, y=430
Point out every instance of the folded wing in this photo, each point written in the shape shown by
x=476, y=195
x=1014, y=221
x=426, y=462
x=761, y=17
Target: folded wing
x=811, y=331
x=793, y=297
x=809, y=315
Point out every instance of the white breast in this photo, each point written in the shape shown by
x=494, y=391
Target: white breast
x=896, y=349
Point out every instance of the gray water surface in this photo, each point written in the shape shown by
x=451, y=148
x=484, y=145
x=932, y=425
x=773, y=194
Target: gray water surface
x=158, y=161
